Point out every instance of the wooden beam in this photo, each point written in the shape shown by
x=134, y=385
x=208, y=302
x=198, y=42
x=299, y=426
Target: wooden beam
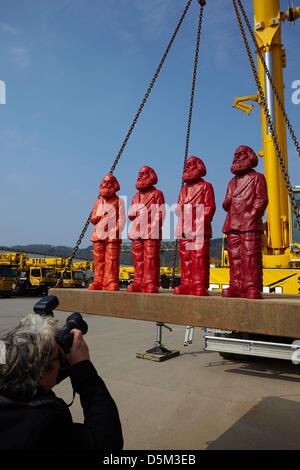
x=275, y=316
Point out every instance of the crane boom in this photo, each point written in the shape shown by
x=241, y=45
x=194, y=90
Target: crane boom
x=267, y=26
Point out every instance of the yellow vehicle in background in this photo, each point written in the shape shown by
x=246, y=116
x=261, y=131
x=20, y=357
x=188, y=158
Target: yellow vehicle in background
x=126, y=274
x=39, y=274
x=166, y=277
x=82, y=271
x=10, y=265
x=83, y=265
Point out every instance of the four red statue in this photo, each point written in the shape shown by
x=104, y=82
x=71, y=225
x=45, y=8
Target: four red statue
x=196, y=208
x=245, y=202
x=146, y=213
x=109, y=218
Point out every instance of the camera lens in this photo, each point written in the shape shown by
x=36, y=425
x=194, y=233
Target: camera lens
x=64, y=337
x=75, y=320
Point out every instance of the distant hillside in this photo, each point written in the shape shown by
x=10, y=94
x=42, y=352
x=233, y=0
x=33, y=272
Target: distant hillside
x=167, y=251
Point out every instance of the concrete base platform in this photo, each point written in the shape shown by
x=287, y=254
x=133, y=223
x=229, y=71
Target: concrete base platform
x=274, y=315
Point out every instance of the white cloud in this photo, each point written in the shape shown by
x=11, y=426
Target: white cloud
x=20, y=57
x=152, y=15
x=8, y=29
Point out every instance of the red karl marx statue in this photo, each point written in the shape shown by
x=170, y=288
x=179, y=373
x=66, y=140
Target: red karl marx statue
x=196, y=208
x=108, y=217
x=245, y=202
x=147, y=214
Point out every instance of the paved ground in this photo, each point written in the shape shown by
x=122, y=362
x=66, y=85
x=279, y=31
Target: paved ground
x=194, y=401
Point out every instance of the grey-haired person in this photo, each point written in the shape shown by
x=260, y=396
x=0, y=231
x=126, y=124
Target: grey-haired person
x=31, y=415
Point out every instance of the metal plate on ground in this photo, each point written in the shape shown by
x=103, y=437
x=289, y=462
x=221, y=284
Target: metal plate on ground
x=157, y=357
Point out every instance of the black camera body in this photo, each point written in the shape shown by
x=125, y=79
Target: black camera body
x=64, y=337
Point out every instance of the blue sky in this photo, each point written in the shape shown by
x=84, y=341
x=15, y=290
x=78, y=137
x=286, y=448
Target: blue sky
x=75, y=72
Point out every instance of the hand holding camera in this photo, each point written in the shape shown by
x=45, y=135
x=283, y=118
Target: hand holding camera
x=69, y=337
x=79, y=350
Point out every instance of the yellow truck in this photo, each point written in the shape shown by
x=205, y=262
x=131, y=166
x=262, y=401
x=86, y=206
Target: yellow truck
x=39, y=274
x=166, y=277
x=10, y=265
x=126, y=274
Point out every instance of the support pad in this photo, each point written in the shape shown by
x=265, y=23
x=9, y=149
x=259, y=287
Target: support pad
x=158, y=354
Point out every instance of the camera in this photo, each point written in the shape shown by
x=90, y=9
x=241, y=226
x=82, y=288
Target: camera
x=64, y=337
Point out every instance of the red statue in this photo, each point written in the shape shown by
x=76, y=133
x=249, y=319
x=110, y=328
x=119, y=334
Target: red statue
x=147, y=214
x=108, y=217
x=194, y=228
x=245, y=202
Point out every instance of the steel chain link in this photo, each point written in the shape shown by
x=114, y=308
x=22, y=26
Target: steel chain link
x=136, y=117
x=268, y=117
x=261, y=56
x=190, y=115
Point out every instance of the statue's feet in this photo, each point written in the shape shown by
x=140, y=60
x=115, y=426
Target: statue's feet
x=252, y=293
x=95, y=286
x=112, y=286
x=231, y=291
x=182, y=290
x=134, y=287
x=200, y=291
x=151, y=289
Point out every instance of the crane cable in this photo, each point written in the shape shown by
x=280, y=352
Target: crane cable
x=202, y=4
x=131, y=128
x=268, y=116
x=261, y=56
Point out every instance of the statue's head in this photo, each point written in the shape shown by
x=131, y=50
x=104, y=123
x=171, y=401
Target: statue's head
x=194, y=170
x=109, y=186
x=244, y=160
x=146, y=178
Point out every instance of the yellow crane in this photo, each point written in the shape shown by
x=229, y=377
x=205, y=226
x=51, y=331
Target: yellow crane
x=10, y=265
x=281, y=250
x=38, y=274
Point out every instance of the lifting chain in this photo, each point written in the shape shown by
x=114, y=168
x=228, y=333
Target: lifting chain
x=261, y=56
x=135, y=119
x=190, y=115
x=268, y=117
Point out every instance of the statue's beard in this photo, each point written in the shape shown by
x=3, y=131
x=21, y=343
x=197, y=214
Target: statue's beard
x=107, y=192
x=190, y=176
x=142, y=184
x=240, y=167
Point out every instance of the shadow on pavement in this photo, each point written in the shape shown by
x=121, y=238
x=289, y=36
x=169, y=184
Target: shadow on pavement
x=274, y=423
x=269, y=369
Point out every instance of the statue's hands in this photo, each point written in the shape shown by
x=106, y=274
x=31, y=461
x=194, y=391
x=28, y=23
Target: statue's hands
x=226, y=204
x=133, y=215
x=95, y=219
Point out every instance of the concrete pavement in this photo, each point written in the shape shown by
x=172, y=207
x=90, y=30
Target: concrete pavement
x=194, y=401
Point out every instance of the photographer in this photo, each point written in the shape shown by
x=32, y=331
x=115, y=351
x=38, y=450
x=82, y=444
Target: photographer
x=31, y=416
